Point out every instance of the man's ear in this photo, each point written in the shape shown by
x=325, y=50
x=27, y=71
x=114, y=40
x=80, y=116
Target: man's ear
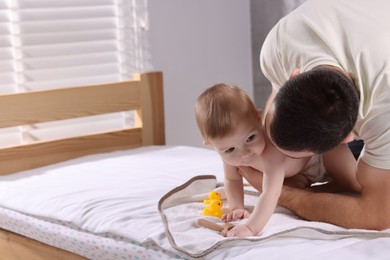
x=349, y=138
x=295, y=72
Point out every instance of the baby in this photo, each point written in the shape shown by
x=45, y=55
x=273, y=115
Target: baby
x=230, y=123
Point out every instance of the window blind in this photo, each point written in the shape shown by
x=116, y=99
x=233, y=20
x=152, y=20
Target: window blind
x=63, y=43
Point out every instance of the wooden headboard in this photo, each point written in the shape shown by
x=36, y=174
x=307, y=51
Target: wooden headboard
x=144, y=94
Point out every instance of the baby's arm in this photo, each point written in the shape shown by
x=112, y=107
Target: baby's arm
x=234, y=194
x=272, y=187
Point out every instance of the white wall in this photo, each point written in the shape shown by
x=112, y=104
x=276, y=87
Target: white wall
x=197, y=43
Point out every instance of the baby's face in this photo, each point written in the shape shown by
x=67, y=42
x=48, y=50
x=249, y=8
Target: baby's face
x=242, y=147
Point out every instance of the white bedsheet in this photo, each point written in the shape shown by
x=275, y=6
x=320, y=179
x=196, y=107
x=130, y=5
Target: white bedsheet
x=111, y=193
x=118, y=193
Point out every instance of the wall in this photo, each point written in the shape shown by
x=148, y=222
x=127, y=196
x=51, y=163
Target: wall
x=264, y=15
x=197, y=44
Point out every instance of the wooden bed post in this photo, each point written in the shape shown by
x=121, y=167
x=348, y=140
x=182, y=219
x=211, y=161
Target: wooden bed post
x=144, y=94
x=151, y=115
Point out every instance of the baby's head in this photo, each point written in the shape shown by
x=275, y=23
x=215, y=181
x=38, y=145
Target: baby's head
x=220, y=108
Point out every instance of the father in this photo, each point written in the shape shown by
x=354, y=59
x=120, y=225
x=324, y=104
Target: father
x=329, y=65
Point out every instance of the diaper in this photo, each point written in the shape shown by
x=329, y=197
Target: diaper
x=316, y=171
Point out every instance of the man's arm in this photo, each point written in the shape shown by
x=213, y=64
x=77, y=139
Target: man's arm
x=368, y=210
x=341, y=166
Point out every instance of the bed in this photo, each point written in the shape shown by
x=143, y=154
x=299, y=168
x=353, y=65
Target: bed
x=143, y=95
x=124, y=194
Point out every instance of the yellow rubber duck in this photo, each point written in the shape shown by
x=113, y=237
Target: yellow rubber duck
x=213, y=195
x=214, y=209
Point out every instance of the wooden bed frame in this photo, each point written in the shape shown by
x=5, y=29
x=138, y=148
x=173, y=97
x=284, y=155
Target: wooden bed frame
x=144, y=94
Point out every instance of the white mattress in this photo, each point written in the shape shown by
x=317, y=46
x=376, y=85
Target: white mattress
x=105, y=207
x=62, y=235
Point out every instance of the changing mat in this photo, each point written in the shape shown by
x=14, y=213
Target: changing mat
x=181, y=208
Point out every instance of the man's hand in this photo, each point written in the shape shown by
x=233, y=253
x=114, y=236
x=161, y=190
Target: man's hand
x=368, y=210
x=240, y=231
x=235, y=214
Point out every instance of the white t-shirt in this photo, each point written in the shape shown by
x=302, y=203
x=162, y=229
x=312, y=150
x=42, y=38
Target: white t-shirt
x=353, y=35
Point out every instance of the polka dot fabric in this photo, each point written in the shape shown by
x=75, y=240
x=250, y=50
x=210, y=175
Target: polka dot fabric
x=73, y=239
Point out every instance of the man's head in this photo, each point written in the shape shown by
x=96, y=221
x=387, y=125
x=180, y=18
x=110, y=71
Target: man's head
x=314, y=111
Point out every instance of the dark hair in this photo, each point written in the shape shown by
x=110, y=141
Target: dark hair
x=314, y=111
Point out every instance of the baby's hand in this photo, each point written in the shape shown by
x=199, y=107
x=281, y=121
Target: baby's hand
x=240, y=231
x=235, y=215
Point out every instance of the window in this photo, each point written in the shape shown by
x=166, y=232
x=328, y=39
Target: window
x=62, y=43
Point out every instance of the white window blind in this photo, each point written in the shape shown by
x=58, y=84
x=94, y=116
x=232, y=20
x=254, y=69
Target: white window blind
x=63, y=43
